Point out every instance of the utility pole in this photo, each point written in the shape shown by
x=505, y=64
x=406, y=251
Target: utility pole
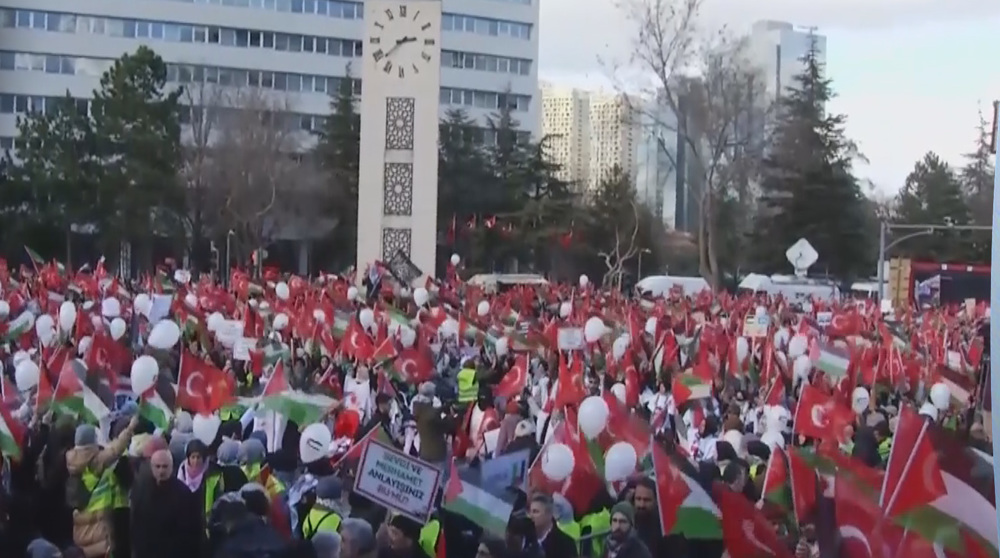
x=993, y=130
x=886, y=227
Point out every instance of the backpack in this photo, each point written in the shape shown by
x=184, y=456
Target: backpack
x=77, y=493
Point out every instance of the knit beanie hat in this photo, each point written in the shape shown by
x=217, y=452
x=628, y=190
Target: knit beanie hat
x=86, y=435
x=228, y=452
x=625, y=509
x=410, y=528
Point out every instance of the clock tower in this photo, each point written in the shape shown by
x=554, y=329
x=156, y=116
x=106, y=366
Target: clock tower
x=400, y=88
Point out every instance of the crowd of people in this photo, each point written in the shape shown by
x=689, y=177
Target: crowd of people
x=181, y=416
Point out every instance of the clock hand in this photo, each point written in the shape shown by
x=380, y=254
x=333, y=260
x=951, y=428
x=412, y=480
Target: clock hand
x=399, y=43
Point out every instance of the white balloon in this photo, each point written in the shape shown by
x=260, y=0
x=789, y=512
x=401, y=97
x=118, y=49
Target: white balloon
x=264, y=305
x=367, y=318
x=618, y=390
x=619, y=347
x=281, y=290
x=455, y=259
x=407, y=337
x=798, y=346
x=117, y=328
x=860, y=399
x=83, y=345
x=20, y=356
x=620, y=461
x=941, y=395
x=4, y=309
x=558, y=462
x=142, y=304
x=929, y=410
x=111, y=308
x=650, y=326
x=448, y=328
x=594, y=329
x=742, y=349
x=319, y=316
x=26, y=374
x=182, y=276
x=144, y=371
x=190, y=300
x=593, y=416
x=565, y=309
x=801, y=367
x=205, y=428
x=165, y=334
x=584, y=281
x=483, y=308
x=214, y=321
x=44, y=326
x=501, y=347
x=420, y=296
x=352, y=293
x=280, y=322
x=67, y=316
x=314, y=444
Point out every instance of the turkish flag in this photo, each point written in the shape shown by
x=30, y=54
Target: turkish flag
x=356, y=342
x=820, y=416
x=571, y=389
x=201, y=387
x=745, y=531
x=108, y=356
x=515, y=380
x=912, y=475
x=671, y=489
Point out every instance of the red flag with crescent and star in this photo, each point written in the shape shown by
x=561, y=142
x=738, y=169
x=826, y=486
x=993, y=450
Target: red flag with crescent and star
x=820, y=416
x=201, y=387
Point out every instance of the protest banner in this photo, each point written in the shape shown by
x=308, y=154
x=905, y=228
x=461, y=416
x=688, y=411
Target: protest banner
x=505, y=471
x=397, y=481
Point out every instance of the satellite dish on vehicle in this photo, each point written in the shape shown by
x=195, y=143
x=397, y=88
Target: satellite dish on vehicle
x=802, y=256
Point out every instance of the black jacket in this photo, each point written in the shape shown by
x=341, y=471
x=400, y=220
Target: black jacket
x=558, y=544
x=165, y=522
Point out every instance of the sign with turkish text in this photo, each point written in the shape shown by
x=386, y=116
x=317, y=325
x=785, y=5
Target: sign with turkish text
x=505, y=471
x=570, y=338
x=397, y=481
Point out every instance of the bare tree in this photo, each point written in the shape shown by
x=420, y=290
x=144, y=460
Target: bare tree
x=704, y=89
x=203, y=102
x=622, y=251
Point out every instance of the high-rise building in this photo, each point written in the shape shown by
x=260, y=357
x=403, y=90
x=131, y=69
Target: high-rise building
x=656, y=156
x=300, y=48
x=614, y=136
x=777, y=48
x=566, y=125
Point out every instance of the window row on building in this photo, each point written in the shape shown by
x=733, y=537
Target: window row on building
x=237, y=77
x=229, y=36
x=329, y=8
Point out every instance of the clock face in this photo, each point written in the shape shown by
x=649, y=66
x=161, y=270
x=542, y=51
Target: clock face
x=402, y=43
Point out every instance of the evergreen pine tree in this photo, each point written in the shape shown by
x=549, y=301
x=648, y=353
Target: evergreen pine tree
x=977, y=184
x=933, y=195
x=807, y=187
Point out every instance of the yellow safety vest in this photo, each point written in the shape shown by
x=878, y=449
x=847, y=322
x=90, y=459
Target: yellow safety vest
x=101, y=489
x=573, y=529
x=213, y=486
x=429, y=536
x=884, y=448
x=599, y=524
x=468, y=386
x=273, y=486
x=320, y=519
x=234, y=412
x=754, y=469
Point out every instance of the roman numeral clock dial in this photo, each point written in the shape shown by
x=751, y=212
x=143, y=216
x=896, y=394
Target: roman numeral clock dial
x=403, y=45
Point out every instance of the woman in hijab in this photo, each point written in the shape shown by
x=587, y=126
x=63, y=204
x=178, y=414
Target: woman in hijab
x=201, y=476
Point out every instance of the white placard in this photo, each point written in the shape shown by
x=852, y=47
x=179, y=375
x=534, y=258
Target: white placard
x=397, y=481
x=160, y=308
x=242, y=348
x=824, y=318
x=228, y=332
x=571, y=339
x=756, y=326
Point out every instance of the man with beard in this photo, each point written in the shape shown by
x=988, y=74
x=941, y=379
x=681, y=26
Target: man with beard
x=623, y=541
x=162, y=522
x=647, y=521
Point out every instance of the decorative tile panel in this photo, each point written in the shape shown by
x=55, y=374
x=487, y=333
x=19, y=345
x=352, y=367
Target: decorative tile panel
x=394, y=239
x=399, y=123
x=397, y=190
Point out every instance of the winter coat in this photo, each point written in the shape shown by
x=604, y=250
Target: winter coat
x=92, y=529
x=631, y=547
x=432, y=426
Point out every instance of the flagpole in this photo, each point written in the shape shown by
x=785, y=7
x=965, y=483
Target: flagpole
x=994, y=301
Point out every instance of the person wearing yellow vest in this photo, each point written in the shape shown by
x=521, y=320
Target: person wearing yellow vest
x=326, y=512
x=200, y=475
x=251, y=458
x=90, y=487
x=429, y=536
x=468, y=383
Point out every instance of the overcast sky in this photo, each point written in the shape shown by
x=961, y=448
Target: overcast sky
x=909, y=74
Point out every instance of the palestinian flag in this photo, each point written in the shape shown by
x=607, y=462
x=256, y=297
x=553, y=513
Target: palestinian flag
x=687, y=387
x=833, y=361
x=153, y=408
x=777, y=489
x=17, y=328
x=11, y=435
x=37, y=261
x=685, y=507
x=464, y=496
x=74, y=398
x=301, y=408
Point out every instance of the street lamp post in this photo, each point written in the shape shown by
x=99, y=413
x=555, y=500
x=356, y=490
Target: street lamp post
x=225, y=269
x=921, y=230
x=638, y=271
